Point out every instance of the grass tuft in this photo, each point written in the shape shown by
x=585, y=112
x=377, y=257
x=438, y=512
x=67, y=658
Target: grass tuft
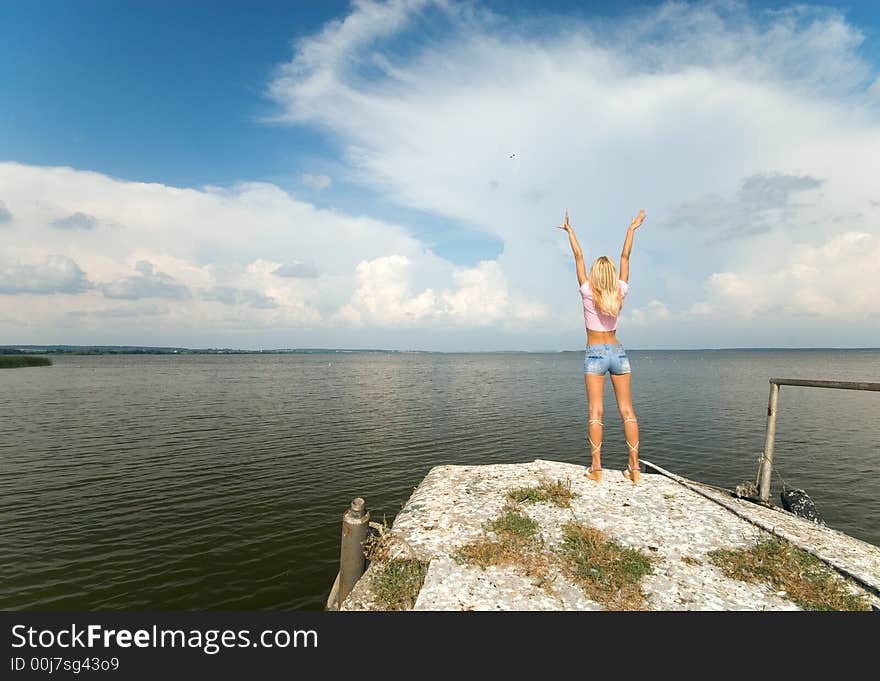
x=806, y=580
x=517, y=543
x=558, y=493
x=513, y=525
x=608, y=573
x=397, y=584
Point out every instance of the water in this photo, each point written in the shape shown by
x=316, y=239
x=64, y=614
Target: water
x=197, y=482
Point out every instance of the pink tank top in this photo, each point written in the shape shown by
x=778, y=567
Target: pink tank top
x=595, y=319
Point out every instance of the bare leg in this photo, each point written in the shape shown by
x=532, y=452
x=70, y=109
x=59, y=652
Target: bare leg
x=595, y=386
x=622, y=392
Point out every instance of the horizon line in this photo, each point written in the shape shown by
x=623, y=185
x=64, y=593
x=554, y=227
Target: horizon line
x=230, y=350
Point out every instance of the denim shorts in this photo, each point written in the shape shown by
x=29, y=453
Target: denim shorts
x=600, y=359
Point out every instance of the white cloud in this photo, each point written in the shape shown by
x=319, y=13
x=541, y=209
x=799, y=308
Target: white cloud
x=759, y=119
x=316, y=182
x=837, y=281
x=480, y=297
x=382, y=294
x=655, y=311
x=296, y=269
x=55, y=274
x=233, y=296
x=76, y=221
x=217, y=256
x=147, y=283
x=762, y=121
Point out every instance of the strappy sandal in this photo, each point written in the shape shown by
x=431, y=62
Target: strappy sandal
x=632, y=473
x=594, y=474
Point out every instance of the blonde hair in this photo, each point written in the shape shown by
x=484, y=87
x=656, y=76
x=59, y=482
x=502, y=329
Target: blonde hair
x=606, y=290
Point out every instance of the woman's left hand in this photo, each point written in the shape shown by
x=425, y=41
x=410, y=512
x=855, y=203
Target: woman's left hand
x=565, y=225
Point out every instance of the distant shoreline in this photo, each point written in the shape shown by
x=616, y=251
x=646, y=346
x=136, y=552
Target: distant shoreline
x=162, y=350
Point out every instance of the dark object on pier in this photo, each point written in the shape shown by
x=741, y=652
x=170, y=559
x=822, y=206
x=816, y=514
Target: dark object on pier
x=746, y=490
x=798, y=502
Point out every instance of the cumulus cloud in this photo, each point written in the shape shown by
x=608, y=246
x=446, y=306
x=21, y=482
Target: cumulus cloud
x=382, y=294
x=316, y=182
x=837, y=281
x=147, y=283
x=764, y=120
x=5, y=215
x=480, y=297
x=76, y=221
x=653, y=312
x=296, y=269
x=56, y=274
x=759, y=120
x=227, y=246
x=233, y=296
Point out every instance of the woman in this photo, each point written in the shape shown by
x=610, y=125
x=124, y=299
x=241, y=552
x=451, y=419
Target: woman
x=603, y=293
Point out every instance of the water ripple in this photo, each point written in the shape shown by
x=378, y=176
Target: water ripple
x=207, y=482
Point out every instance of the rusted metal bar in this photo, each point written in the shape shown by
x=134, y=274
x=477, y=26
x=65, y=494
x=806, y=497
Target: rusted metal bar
x=842, y=385
x=765, y=469
x=333, y=598
x=355, y=526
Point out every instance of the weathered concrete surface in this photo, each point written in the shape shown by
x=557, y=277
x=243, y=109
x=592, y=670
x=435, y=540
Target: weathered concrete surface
x=850, y=556
x=661, y=517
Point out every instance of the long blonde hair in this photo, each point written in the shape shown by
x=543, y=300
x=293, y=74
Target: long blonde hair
x=606, y=290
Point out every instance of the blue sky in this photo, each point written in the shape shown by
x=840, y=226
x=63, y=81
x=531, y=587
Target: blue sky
x=365, y=148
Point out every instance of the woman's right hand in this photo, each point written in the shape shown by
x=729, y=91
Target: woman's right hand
x=638, y=220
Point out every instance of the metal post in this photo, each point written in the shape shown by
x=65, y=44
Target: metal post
x=355, y=526
x=765, y=469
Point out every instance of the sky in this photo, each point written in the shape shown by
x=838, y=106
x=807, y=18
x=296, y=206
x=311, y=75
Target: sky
x=390, y=174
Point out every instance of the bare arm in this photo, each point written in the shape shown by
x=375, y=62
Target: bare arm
x=576, y=249
x=628, y=244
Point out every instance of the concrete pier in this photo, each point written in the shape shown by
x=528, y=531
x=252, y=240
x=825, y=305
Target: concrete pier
x=676, y=522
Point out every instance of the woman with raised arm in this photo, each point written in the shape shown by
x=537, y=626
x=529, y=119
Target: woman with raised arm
x=603, y=293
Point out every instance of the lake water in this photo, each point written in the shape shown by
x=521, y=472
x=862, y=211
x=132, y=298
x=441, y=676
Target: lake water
x=196, y=482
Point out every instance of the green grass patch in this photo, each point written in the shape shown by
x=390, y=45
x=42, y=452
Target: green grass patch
x=397, y=583
x=517, y=543
x=513, y=525
x=806, y=580
x=15, y=361
x=558, y=493
x=608, y=573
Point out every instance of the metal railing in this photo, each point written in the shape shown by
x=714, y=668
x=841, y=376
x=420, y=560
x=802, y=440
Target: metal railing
x=765, y=467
